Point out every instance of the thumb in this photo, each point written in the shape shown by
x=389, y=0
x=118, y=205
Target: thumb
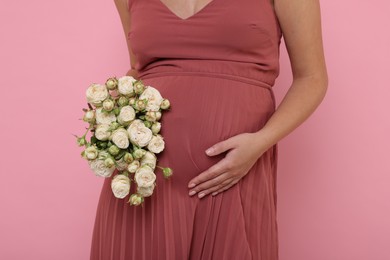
x=219, y=148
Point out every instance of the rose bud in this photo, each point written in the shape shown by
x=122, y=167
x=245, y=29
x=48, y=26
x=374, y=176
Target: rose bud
x=112, y=83
x=141, y=104
x=128, y=157
x=109, y=162
x=156, y=127
x=167, y=172
x=81, y=141
x=114, y=125
x=139, y=153
x=89, y=116
x=123, y=101
x=165, y=104
x=139, y=87
x=135, y=199
x=148, y=124
x=91, y=152
x=150, y=116
x=113, y=150
x=108, y=104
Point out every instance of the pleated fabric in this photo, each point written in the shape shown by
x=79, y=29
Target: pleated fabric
x=217, y=69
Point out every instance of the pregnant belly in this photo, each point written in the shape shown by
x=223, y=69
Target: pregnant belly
x=204, y=111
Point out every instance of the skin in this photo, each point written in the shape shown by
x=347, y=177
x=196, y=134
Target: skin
x=300, y=21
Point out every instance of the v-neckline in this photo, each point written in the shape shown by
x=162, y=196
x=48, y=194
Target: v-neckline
x=203, y=9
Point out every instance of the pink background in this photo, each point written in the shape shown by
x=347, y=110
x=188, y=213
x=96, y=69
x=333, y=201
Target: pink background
x=334, y=172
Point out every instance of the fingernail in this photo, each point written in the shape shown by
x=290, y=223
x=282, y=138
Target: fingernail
x=201, y=195
x=209, y=151
x=192, y=193
x=191, y=185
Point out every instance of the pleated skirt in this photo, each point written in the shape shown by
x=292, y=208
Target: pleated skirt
x=237, y=224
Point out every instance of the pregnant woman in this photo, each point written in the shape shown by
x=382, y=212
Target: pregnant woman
x=216, y=61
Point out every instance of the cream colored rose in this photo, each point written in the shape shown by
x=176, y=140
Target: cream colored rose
x=146, y=191
x=149, y=159
x=120, y=186
x=102, y=132
x=125, y=85
x=133, y=166
x=144, y=176
x=139, y=134
x=126, y=115
x=103, y=117
x=154, y=98
x=120, y=137
x=100, y=169
x=91, y=152
x=157, y=144
x=121, y=164
x=96, y=94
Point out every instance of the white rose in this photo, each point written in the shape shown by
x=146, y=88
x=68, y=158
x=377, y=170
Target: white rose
x=120, y=185
x=133, y=166
x=100, y=169
x=102, y=132
x=125, y=85
x=154, y=98
x=96, y=94
x=126, y=115
x=149, y=159
x=157, y=144
x=104, y=117
x=139, y=134
x=144, y=176
x=91, y=152
x=145, y=191
x=121, y=164
x=120, y=137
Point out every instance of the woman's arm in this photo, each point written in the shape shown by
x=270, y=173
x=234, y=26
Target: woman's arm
x=300, y=21
x=125, y=17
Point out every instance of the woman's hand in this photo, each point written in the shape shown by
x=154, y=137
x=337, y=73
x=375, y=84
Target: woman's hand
x=245, y=150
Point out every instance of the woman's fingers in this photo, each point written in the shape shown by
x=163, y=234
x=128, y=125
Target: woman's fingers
x=216, y=183
x=212, y=172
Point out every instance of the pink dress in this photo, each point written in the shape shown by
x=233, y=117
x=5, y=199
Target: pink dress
x=217, y=68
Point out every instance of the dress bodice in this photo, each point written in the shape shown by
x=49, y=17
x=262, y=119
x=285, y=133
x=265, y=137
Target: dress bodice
x=230, y=36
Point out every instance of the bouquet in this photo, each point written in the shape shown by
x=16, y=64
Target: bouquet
x=123, y=116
